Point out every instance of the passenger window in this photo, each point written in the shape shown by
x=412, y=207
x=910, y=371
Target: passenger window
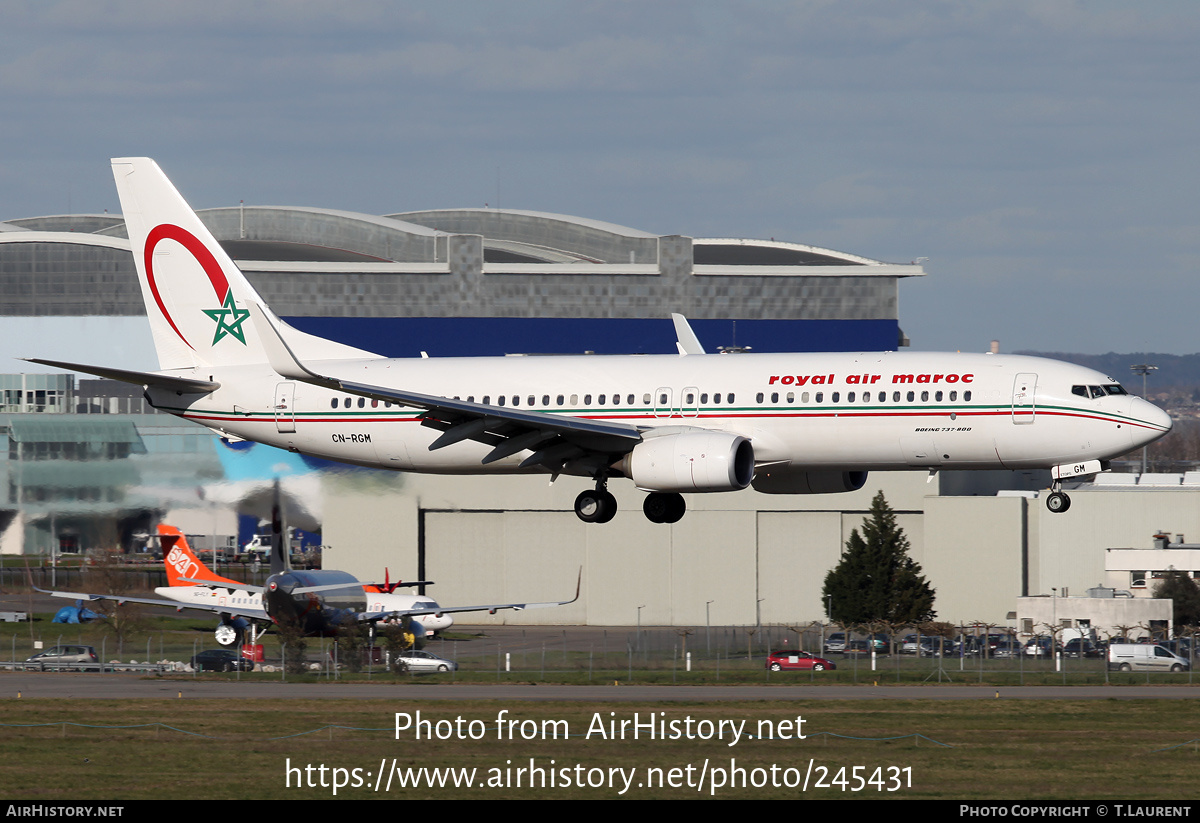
x=704, y=399
x=333, y=403
x=804, y=397
x=629, y=400
x=791, y=397
x=500, y=400
x=487, y=400
x=516, y=400
x=646, y=399
x=759, y=397
x=616, y=399
x=662, y=400
x=587, y=400
x=691, y=398
x=375, y=403
x=967, y=396
x=362, y=402
x=470, y=399
x=924, y=397
x=953, y=396
x=911, y=397
x=774, y=397
x=530, y=401
x=574, y=400
x=729, y=398
x=883, y=397
x=599, y=399
x=346, y=403
x=938, y=397
x=850, y=397
x=559, y=399
x=716, y=399
x=820, y=397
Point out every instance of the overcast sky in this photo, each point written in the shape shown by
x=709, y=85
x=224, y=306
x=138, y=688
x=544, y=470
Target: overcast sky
x=1042, y=155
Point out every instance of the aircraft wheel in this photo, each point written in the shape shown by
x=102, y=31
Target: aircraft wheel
x=664, y=507
x=595, y=506
x=226, y=634
x=1058, y=502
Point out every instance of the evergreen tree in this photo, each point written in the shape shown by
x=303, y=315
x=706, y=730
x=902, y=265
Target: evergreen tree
x=1185, y=597
x=876, y=580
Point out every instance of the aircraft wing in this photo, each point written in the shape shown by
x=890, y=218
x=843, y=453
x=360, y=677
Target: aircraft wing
x=553, y=439
x=490, y=609
x=256, y=614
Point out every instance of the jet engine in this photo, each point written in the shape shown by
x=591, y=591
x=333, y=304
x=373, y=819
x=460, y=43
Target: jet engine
x=808, y=482
x=691, y=462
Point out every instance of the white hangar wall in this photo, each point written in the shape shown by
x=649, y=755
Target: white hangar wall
x=489, y=540
x=755, y=556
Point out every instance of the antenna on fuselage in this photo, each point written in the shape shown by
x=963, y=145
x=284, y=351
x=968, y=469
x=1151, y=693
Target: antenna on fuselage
x=280, y=554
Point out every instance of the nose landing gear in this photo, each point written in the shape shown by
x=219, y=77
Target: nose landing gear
x=1058, y=502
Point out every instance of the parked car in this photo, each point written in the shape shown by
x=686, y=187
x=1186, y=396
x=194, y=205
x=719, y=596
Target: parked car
x=221, y=660
x=1081, y=646
x=794, y=659
x=835, y=643
x=77, y=658
x=1040, y=647
x=419, y=661
x=1009, y=647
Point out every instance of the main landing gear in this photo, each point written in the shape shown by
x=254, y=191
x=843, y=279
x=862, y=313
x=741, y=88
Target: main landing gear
x=599, y=506
x=664, y=507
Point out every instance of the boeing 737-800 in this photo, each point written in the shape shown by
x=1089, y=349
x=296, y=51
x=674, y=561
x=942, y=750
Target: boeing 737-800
x=672, y=424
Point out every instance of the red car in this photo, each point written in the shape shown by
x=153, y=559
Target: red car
x=793, y=659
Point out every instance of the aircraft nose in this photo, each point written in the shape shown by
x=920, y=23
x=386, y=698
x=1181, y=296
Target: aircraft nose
x=1153, y=421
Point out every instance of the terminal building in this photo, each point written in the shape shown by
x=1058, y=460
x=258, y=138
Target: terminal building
x=489, y=282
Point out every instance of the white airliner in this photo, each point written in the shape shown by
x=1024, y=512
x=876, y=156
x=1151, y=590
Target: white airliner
x=672, y=424
x=321, y=601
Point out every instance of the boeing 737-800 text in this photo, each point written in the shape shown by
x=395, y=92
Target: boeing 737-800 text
x=672, y=424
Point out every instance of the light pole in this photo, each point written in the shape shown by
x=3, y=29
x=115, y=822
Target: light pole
x=707, y=624
x=1143, y=369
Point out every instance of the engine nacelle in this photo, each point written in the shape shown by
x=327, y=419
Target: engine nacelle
x=691, y=462
x=814, y=482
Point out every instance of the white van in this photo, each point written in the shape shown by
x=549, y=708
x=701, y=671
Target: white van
x=1130, y=657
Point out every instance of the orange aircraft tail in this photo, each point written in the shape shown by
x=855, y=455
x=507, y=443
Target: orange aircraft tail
x=181, y=562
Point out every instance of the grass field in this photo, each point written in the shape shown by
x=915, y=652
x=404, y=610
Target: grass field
x=1008, y=750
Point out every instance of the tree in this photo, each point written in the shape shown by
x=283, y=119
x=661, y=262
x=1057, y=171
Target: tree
x=876, y=580
x=1184, y=594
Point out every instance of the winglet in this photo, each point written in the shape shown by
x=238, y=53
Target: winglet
x=686, y=340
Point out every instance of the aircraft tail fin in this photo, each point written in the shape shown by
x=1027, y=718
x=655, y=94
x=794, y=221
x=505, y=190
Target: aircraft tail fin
x=195, y=295
x=181, y=563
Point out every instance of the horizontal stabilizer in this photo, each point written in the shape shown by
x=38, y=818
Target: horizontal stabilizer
x=183, y=385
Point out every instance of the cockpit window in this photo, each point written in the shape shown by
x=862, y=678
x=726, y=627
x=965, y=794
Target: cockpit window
x=1115, y=388
x=1082, y=391
x=1097, y=391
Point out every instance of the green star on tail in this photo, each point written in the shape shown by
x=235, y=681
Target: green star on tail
x=222, y=317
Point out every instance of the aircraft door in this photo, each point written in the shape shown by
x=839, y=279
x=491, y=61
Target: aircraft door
x=689, y=402
x=663, y=403
x=1023, y=405
x=285, y=412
